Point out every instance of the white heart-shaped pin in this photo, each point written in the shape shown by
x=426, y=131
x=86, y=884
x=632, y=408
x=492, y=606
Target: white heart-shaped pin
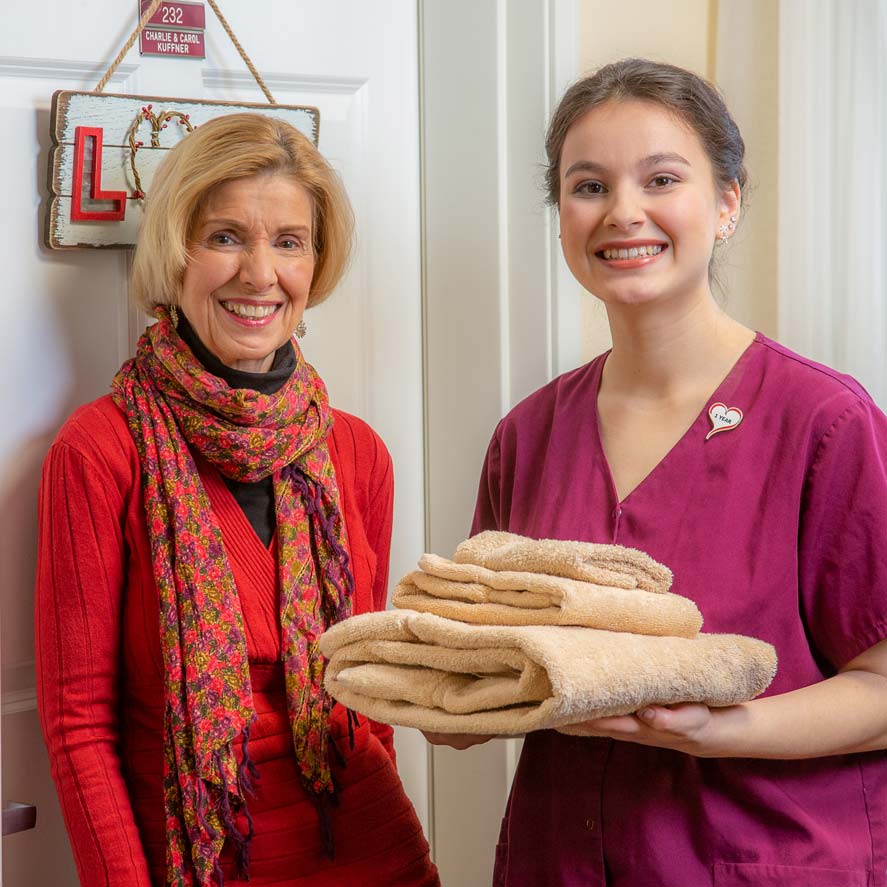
x=723, y=418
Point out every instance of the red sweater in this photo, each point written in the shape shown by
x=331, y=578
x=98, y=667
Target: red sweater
x=100, y=685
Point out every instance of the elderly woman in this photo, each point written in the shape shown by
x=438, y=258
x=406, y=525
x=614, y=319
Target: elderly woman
x=199, y=528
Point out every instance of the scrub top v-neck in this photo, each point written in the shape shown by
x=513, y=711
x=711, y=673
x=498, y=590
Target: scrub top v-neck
x=679, y=456
x=776, y=527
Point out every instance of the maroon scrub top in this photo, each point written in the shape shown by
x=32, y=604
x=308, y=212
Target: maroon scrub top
x=777, y=528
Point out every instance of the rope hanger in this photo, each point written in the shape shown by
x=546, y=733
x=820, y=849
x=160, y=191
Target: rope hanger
x=152, y=8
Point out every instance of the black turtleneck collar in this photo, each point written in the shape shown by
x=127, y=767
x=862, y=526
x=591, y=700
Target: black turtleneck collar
x=265, y=383
x=256, y=499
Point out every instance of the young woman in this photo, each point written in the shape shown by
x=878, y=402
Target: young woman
x=758, y=476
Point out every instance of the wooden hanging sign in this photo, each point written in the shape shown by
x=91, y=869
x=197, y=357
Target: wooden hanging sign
x=106, y=148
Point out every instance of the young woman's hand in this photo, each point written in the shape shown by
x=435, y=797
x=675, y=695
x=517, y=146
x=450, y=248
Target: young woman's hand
x=459, y=741
x=688, y=727
x=844, y=714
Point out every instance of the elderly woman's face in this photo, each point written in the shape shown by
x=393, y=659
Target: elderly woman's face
x=251, y=262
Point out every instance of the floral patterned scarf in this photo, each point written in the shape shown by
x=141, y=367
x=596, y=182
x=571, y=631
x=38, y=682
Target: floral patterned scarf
x=172, y=403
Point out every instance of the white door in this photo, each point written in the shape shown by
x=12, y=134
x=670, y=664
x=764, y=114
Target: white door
x=66, y=321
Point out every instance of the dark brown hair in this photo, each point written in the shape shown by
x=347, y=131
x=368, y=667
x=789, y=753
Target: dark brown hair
x=696, y=101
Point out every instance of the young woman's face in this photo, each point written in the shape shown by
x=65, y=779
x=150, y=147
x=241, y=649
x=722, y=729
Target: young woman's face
x=250, y=267
x=639, y=207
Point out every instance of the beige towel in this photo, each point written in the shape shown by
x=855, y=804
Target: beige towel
x=475, y=594
x=419, y=670
x=612, y=565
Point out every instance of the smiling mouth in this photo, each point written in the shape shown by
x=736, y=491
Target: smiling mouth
x=249, y=312
x=632, y=252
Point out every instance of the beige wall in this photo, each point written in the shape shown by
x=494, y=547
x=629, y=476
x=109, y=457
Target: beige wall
x=723, y=40
x=678, y=31
x=747, y=71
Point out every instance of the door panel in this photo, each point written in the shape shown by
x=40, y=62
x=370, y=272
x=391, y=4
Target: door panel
x=68, y=325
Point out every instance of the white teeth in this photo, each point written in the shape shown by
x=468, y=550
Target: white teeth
x=255, y=311
x=633, y=252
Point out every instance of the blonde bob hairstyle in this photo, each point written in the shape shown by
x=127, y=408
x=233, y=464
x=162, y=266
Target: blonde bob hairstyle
x=233, y=147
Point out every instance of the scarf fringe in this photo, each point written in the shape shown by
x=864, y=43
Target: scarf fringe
x=335, y=753
x=240, y=840
x=324, y=804
x=353, y=725
x=343, y=582
x=247, y=771
x=202, y=803
x=220, y=798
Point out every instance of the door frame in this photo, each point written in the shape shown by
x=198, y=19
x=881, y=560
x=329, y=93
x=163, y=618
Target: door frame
x=501, y=311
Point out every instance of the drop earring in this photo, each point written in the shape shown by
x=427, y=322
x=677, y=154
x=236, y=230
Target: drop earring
x=301, y=329
x=174, y=316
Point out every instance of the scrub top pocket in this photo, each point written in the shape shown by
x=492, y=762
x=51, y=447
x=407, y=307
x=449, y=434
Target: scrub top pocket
x=755, y=875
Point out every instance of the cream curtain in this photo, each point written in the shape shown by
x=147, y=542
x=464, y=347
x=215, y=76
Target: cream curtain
x=832, y=231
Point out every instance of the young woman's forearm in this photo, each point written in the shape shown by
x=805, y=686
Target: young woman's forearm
x=844, y=714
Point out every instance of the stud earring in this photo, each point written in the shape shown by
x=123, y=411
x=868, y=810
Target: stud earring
x=725, y=231
x=301, y=329
x=174, y=316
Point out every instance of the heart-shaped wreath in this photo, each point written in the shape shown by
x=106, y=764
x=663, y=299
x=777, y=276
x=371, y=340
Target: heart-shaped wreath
x=158, y=122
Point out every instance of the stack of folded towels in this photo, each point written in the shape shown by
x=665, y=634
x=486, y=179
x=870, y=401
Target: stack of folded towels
x=515, y=634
